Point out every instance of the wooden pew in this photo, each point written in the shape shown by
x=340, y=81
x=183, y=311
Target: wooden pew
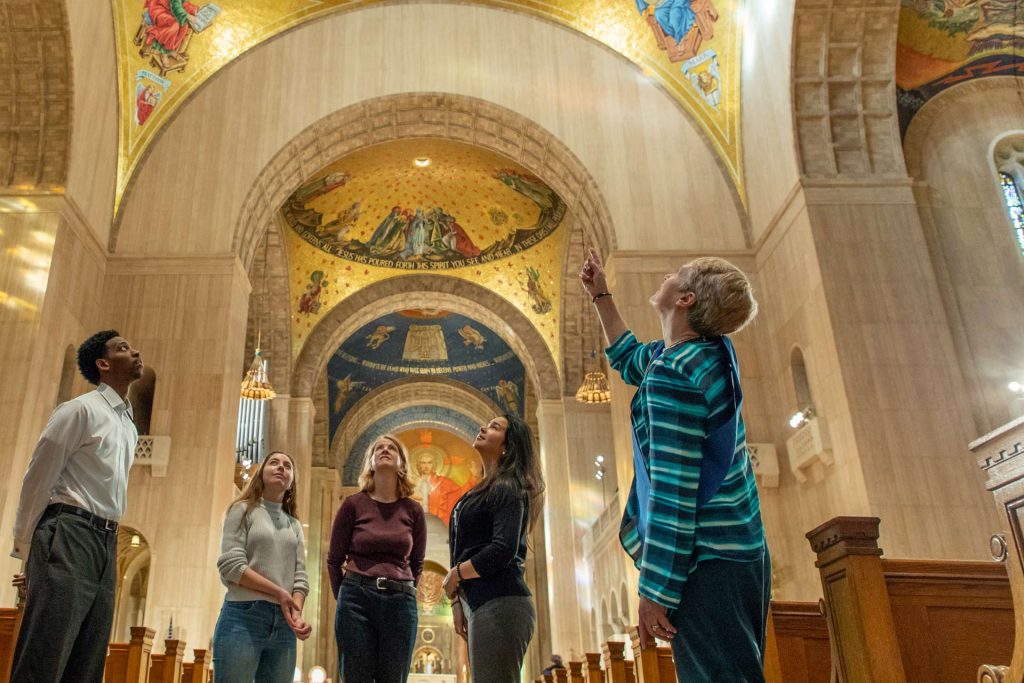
x=10, y=621
x=593, y=673
x=614, y=661
x=576, y=672
x=998, y=454
x=645, y=660
x=130, y=662
x=666, y=667
x=166, y=667
x=797, y=644
x=198, y=670
x=914, y=621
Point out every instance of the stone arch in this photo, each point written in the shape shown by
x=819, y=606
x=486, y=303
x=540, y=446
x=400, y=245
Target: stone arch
x=422, y=115
x=844, y=89
x=35, y=104
x=404, y=393
x=445, y=418
x=427, y=291
x=920, y=126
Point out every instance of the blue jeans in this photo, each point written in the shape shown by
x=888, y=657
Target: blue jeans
x=376, y=631
x=253, y=642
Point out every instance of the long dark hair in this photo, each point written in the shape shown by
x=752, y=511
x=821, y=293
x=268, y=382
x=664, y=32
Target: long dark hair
x=519, y=468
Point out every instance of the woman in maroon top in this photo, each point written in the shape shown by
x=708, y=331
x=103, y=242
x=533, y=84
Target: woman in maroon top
x=380, y=536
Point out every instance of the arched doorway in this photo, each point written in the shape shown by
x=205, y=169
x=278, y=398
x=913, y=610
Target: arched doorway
x=133, y=569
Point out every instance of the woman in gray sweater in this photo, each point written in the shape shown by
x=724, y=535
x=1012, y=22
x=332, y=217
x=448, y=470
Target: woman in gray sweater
x=262, y=563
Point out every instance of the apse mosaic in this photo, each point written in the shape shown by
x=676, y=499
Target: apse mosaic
x=424, y=205
x=168, y=48
x=423, y=343
x=437, y=418
x=444, y=466
x=946, y=42
x=455, y=208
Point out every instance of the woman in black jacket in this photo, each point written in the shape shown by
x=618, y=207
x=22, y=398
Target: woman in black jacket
x=491, y=603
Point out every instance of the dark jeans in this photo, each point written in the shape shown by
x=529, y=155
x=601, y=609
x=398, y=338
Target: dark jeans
x=70, y=604
x=376, y=631
x=721, y=621
x=253, y=642
x=499, y=633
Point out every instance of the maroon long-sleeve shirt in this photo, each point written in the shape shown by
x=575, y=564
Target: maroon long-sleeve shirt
x=377, y=539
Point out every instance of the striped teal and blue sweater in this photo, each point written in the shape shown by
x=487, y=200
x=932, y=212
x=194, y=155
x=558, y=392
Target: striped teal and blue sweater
x=683, y=394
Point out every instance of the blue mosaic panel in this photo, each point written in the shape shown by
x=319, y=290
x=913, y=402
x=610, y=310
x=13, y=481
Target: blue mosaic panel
x=423, y=344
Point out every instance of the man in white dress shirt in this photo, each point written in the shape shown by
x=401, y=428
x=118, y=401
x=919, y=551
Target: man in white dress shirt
x=72, y=498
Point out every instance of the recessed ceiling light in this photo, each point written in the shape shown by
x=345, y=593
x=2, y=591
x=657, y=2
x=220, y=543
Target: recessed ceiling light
x=422, y=162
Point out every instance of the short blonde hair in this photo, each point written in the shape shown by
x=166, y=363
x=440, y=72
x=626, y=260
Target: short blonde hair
x=724, y=298
x=405, y=485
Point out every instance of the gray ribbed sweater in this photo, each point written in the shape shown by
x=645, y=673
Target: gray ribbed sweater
x=269, y=542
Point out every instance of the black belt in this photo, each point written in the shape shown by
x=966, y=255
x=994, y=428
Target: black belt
x=95, y=520
x=381, y=583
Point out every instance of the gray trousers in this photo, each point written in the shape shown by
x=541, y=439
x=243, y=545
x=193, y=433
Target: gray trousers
x=499, y=632
x=69, y=608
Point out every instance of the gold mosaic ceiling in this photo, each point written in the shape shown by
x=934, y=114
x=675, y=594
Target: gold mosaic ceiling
x=424, y=205
x=168, y=48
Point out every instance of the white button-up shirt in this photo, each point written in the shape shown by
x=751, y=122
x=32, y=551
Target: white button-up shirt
x=83, y=458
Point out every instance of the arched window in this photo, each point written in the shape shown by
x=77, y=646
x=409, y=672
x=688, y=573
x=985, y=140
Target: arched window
x=1015, y=205
x=1008, y=156
x=801, y=384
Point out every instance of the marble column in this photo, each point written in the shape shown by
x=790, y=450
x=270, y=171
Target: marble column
x=51, y=288
x=188, y=317
x=907, y=403
x=563, y=600
x=291, y=431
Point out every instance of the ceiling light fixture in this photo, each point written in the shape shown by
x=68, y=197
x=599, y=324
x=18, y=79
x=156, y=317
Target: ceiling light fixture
x=595, y=385
x=422, y=162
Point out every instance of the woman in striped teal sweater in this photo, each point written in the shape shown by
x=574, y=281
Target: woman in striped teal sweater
x=692, y=522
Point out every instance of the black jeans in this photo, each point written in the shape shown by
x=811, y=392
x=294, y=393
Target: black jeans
x=70, y=604
x=376, y=631
x=721, y=621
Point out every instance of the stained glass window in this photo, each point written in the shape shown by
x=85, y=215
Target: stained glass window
x=1015, y=205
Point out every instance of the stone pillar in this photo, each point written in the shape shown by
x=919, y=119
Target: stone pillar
x=291, y=431
x=51, y=270
x=906, y=405
x=325, y=496
x=562, y=597
x=188, y=317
